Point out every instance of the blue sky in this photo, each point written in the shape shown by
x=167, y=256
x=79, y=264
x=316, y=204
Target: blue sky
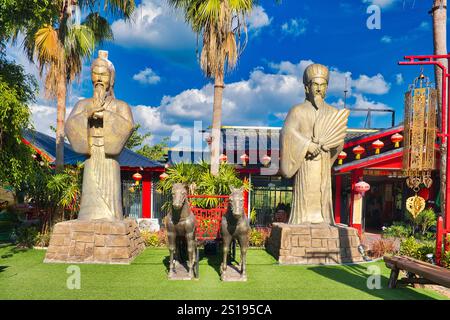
x=158, y=74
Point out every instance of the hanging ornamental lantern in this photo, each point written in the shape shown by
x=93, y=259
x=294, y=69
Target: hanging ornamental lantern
x=358, y=151
x=396, y=139
x=137, y=177
x=362, y=187
x=420, y=133
x=244, y=159
x=266, y=160
x=163, y=176
x=341, y=157
x=377, y=145
x=223, y=158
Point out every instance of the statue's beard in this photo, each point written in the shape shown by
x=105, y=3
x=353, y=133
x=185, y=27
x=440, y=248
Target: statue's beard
x=318, y=101
x=99, y=95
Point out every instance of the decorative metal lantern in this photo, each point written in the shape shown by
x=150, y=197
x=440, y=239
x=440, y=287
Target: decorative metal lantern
x=420, y=133
x=223, y=158
x=358, y=151
x=377, y=145
x=244, y=158
x=266, y=160
x=137, y=177
x=341, y=157
x=362, y=187
x=396, y=139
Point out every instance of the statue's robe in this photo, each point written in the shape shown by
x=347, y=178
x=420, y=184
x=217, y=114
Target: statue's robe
x=102, y=141
x=312, y=196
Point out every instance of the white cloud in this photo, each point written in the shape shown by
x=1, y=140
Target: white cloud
x=258, y=19
x=381, y=3
x=147, y=76
x=295, y=27
x=154, y=25
x=371, y=85
x=399, y=79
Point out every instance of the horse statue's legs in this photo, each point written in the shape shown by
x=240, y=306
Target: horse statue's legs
x=172, y=239
x=243, y=246
x=226, y=250
x=190, y=241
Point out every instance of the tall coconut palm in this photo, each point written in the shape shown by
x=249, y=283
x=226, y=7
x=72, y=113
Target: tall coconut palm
x=61, y=44
x=220, y=24
x=439, y=13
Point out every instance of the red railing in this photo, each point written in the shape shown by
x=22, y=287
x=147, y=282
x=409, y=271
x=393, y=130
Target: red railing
x=208, y=221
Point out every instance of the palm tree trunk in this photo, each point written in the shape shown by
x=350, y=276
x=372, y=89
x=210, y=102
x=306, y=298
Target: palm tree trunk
x=439, y=13
x=217, y=122
x=60, y=118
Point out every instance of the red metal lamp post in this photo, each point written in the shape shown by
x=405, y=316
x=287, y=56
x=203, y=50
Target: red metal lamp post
x=443, y=226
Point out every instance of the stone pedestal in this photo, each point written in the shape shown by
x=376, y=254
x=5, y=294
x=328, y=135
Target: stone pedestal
x=181, y=273
x=233, y=274
x=314, y=244
x=95, y=241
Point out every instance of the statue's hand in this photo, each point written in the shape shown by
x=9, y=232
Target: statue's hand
x=314, y=149
x=98, y=115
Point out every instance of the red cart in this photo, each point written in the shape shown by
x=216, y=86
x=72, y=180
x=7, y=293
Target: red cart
x=207, y=222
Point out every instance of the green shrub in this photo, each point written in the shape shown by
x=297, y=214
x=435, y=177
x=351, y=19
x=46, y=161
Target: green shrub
x=425, y=220
x=26, y=237
x=42, y=239
x=258, y=237
x=154, y=239
x=416, y=249
x=398, y=230
x=446, y=260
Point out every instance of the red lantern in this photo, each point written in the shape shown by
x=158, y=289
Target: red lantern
x=137, y=177
x=396, y=139
x=362, y=187
x=163, y=176
x=266, y=160
x=342, y=156
x=377, y=145
x=358, y=151
x=244, y=159
x=223, y=158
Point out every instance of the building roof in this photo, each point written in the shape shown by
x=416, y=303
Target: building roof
x=47, y=145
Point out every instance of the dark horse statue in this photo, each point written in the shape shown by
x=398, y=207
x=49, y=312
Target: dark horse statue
x=235, y=226
x=180, y=222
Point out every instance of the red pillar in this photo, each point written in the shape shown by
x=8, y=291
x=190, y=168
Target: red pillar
x=356, y=175
x=246, y=196
x=337, y=199
x=439, y=237
x=147, y=195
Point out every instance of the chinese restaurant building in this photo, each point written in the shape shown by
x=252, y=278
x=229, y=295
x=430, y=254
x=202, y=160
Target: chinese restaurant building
x=373, y=156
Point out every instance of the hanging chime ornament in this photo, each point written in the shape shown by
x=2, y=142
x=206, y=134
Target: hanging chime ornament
x=419, y=139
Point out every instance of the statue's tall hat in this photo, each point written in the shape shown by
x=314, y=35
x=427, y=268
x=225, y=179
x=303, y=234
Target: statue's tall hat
x=315, y=71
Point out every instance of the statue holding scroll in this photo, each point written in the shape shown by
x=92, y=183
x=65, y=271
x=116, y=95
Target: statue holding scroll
x=311, y=139
x=99, y=127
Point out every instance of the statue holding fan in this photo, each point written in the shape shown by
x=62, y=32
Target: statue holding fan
x=311, y=140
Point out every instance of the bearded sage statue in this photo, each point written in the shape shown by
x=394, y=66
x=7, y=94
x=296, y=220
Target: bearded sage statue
x=99, y=127
x=311, y=139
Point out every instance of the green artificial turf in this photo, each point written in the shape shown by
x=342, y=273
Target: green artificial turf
x=23, y=275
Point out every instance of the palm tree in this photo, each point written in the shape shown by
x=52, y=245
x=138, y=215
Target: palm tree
x=219, y=23
x=61, y=44
x=439, y=13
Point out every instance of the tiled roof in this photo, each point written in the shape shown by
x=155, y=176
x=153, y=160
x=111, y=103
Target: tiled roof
x=47, y=144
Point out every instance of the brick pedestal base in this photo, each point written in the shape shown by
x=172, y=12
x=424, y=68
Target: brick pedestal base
x=97, y=241
x=314, y=244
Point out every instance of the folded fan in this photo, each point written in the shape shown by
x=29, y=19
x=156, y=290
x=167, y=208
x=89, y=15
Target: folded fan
x=330, y=131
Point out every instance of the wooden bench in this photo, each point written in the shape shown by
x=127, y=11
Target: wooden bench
x=419, y=272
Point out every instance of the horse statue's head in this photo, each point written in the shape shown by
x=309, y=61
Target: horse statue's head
x=237, y=201
x=179, y=195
